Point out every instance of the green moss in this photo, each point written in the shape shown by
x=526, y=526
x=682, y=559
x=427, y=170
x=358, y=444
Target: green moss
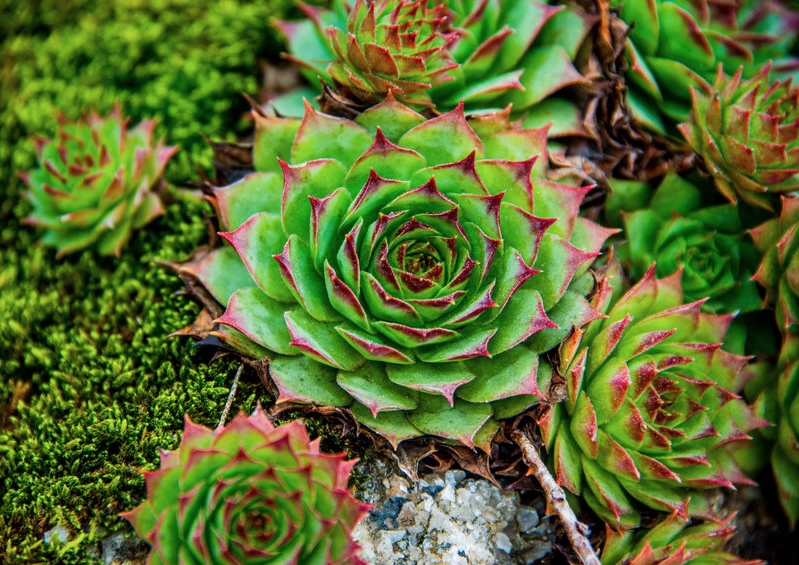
x=90, y=386
x=184, y=61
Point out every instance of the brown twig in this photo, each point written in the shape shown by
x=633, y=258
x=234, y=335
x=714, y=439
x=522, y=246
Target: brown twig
x=230, y=396
x=557, y=500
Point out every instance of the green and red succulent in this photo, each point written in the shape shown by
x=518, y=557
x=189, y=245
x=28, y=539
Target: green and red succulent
x=674, y=541
x=249, y=492
x=671, y=226
x=96, y=183
x=747, y=133
x=412, y=270
x=677, y=45
x=433, y=54
x=777, y=388
x=778, y=242
x=651, y=413
x=776, y=393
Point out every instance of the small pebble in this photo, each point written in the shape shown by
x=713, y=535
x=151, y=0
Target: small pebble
x=527, y=518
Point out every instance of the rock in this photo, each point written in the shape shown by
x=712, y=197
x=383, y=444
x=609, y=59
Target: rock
x=503, y=543
x=123, y=549
x=60, y=534
x=527, y=518
x=448, y=518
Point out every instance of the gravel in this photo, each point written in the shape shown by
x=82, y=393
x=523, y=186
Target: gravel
x=448, y=518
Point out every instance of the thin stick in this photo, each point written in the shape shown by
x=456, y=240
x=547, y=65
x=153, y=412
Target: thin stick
x=230, y=396
x=557, y=500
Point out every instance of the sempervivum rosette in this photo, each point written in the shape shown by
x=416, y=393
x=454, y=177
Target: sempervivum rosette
x=747, y=132
x=249, y=493
x=677, y=45
x=651, y=412
x=375, y=47
x=677, y=231
x=777, y=400
x=487, y=54
x=95, y=182
x=674, y=541
x=407, y=268
x=778, y=241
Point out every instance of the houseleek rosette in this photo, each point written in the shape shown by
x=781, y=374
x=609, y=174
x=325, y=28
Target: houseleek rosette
x=676, y=45
x=778, y=241
x=487, y=54
x=708, y=243
x=95, y=182
x=249, y=493
x=409, y=269
x=778, y=399
x=776, y=392
x=651, y=413
x=375, y=47
x=674, y=541
x=747, y=132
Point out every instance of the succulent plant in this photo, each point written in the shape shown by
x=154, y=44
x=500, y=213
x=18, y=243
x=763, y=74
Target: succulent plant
x=487, y=54
x=676, y=45
x=651, y=413
x=673, y=541
x=778, y=241
x=747, y=132
x=407, y=268
x=249, y=492
x=380, y=47
x=677, y=231
x=95, y=182
x=776, y=393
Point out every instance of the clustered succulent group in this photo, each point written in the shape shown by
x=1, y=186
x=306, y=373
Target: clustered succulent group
x=404, y=247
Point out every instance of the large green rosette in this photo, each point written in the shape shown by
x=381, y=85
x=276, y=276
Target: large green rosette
x=412, y=270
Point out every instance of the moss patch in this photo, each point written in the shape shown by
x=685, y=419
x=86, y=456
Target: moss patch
x=90, y=387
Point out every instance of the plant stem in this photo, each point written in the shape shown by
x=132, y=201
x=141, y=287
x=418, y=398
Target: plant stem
x=230, y=396
x=556, y=499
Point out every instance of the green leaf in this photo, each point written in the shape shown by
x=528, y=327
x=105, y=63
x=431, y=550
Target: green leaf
x=645, y=30
x=301, y=379
x=509, y=374
x=273, y=140
x=321, y=341
x=547, y=69
x=370, y=386
x=256, y=241
x=567, y=461
x=257, y=192
x=459, y=422
x=323, y=137
x=304, y=281
x=317, y=179
x=465, y=346
x=394, y=119
x=394, y=426
x=373, y=346
x=441, y=379
x=260, y=318
x=445, y=139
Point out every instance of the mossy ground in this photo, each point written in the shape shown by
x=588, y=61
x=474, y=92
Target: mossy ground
x=90, y=386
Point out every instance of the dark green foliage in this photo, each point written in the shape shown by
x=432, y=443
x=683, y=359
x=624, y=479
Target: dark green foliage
x=90, y=387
